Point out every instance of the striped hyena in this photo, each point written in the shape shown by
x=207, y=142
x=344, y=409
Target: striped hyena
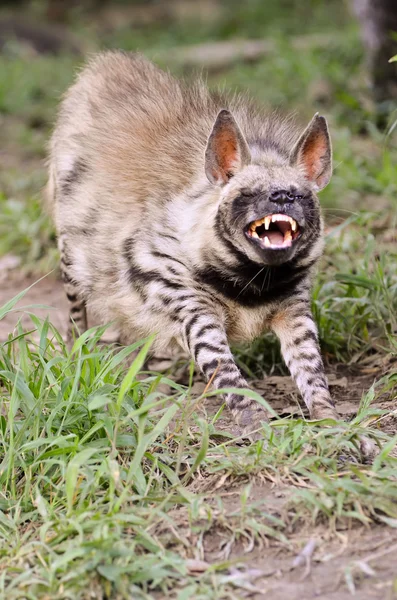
x=192, y=215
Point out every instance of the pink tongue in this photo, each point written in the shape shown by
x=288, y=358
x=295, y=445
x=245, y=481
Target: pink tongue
x=275, y=237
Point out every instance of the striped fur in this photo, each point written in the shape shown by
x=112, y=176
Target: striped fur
x=152, y=185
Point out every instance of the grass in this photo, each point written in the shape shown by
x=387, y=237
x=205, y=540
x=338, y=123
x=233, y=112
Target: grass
x=100, y=475
x=116, y=481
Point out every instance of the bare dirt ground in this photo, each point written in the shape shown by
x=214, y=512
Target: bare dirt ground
x=48, y=291
x=348, y=561
x=365, y=555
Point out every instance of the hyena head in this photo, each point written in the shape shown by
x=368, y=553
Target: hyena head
x=268, y=205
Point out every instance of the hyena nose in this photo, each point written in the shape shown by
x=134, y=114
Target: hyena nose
x=281, y=196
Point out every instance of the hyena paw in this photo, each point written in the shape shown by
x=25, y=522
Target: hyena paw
x=368, y=449
x=249, y=421
x=322, y=411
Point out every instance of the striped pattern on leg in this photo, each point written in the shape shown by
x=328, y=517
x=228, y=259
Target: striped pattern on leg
x=77, y=314
x=206, y=340
x=298, y=336
x=77, y=322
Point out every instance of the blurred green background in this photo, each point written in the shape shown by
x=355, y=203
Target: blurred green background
x=311, y=59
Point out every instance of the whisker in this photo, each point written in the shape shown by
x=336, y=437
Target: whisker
x=249, y=283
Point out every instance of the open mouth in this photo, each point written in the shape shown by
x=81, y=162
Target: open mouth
x=274, y=231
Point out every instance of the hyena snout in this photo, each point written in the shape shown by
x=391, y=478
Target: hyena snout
x=282, y=196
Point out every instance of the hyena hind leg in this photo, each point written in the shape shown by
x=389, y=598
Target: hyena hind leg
x=77, y=317
x=77, y=313
x=77, y=321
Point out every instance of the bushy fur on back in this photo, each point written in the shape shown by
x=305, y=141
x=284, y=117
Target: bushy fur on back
x=151, y=243
x=159, y=121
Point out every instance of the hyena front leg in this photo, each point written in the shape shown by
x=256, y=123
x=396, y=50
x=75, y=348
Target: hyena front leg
x=206, y=340
x=77, y=318
x=298, y=336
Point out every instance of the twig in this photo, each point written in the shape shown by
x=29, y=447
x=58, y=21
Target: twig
x=304, y=558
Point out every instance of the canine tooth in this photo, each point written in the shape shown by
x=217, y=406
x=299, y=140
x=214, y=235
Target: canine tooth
x=254, y=234
x=268, y=220
x=267, y=242
x=293, y=225
x=287, y=236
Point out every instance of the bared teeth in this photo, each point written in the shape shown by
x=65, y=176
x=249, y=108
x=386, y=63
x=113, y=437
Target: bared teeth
x=266, y=221
x=285, y=218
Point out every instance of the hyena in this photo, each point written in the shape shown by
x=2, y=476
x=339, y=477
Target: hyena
x=191, y=215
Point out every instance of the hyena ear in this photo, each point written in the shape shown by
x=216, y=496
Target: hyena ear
x=227, y=151
x=313, y=152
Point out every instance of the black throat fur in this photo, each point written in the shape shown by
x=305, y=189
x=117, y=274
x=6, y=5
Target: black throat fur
x=252, y=285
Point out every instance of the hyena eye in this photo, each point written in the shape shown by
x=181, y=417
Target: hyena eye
x=292, y=196
x=247, y=193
